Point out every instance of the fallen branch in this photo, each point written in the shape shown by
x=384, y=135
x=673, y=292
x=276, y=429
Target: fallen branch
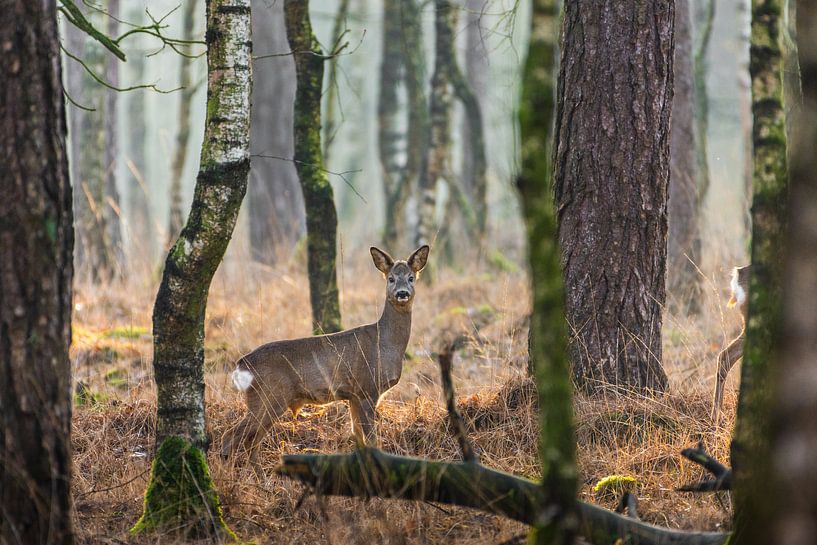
x=723, y=475
x=370, y=472
x=457, y=425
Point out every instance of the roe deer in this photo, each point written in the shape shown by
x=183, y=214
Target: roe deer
x=734, y=350
x=356, y=365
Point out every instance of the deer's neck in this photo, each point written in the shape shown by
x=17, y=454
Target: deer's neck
x=394, y=327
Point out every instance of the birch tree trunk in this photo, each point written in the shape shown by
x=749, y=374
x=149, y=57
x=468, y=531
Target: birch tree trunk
x=750, y=445
x=613, y=208
x=36, y=237
x=321, y=216
x=557, y=522
x=180, y=495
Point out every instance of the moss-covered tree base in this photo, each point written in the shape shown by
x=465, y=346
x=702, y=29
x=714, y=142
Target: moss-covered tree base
x=180, y=497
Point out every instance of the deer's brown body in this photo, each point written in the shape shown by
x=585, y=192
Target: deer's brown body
x=356, y=365
x=734, y=350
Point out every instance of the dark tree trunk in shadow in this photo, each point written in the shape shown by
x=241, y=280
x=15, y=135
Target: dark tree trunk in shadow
x=276, y=209
x=321, y=216
x=36, y=237
x=613, y=208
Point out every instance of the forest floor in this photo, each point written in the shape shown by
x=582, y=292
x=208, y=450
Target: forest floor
x=114, y=414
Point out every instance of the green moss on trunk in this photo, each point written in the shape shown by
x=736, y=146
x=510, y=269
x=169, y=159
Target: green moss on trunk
x=181, y=496
x=321, y=216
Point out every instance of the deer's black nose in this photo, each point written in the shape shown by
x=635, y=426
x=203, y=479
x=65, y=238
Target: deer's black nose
x=403, y=294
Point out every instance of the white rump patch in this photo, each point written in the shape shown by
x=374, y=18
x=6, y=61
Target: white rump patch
x=242, y=379
x=737, y=290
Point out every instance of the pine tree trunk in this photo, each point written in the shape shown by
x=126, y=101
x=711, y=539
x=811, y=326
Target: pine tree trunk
x=36, y=237
x=684, y=246
x=750, y=445
x=435, y=161
x=276, y=209
x=321, y=216
x=795, y=398
x=611, y=173
x=558, y=522
x=183, y=134
x=388, y=113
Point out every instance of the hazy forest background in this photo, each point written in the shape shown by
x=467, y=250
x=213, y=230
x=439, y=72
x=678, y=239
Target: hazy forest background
x=134, y=157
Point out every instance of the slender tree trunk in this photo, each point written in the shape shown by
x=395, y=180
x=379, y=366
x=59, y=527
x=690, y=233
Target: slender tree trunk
x=112, y=205
x=388, y=113
x=330, y=125
x=142, y=233
x=705, y=22
x=476, y=73
x=36, y=237
x=435, y=160
x=750, y=445
x=276, y=209
x=558, y=521
x=794, y=429
x=684, y=247
x=183, y=134
x=613, y=208
x=321, y=216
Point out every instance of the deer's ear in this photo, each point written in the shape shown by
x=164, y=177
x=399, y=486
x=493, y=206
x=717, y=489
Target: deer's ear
x=418, y=259
x=382, y=260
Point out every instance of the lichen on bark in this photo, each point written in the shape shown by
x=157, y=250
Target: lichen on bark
x=321, y=216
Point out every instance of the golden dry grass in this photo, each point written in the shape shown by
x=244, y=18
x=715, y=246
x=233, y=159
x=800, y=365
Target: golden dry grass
x=113, y=426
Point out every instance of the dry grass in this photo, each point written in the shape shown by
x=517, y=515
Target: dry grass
x=113, y=426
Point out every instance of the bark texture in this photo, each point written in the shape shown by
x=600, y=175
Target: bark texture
x=36, y=237
x=684, y=245
x=183, y=134
x=178, y=315
x=795, y=398
x=330, y=123
x=321, y=216
x=750, y=445
x=276, y=209
x=556, y=522
x=611, y=173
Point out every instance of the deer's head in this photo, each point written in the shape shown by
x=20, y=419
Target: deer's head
x=401, y=276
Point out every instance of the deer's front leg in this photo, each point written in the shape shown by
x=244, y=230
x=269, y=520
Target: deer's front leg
x=726, y=360
x=363, y=412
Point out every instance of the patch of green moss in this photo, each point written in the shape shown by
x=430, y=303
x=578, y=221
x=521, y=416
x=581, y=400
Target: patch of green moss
x=116, y=378
x=180, y=497
x=500, y=262
x=127, y=332
x=614, y=486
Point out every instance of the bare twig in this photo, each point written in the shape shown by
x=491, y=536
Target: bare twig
x=723, y=475
x=341, y=175
x=101, y=81
x=457, y=425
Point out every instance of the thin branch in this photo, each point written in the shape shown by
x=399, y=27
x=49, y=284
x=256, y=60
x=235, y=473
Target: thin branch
x=341, y=175
x=75, y=16
x=337, y=53
x=457, y=425
x=723, y=475
x=98, y=79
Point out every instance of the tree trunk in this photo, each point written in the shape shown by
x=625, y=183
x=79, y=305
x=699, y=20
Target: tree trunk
x=612, y=168
x=276, y=209
x=388, y=112
x=750, y=446
x=183, y=134
x=36, y=236
x=330, y=125
x=112, y=205
x=180, y=496
x=557, y=522
x=705, y=22
x=435, y=160
x=684, y=246
x=795, y=398
x=321, y=216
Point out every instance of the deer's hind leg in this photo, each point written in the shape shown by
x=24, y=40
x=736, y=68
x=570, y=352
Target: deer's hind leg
x=726, y=360
x=252, y=429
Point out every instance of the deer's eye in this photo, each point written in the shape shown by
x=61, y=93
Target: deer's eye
x=411, y=280
x=391, y=280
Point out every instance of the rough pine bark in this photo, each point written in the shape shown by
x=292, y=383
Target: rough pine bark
x=750, y=444
x=684, y=246
x=435, y=159
x=275, y=200
x=389, y=137
x=794, y=429
x=36, y=237
x=558, y=521
x=183, y=134
x=321, y=216
x=611, y=172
